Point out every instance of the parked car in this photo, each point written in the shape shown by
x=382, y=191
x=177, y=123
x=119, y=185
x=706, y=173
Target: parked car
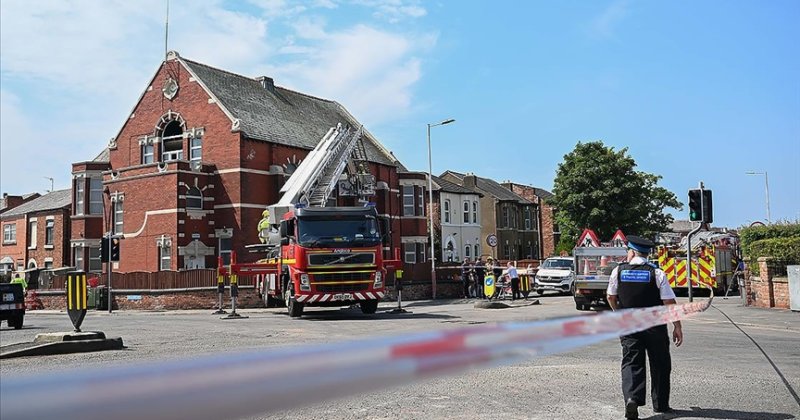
x=12, y=304
x=556, y=273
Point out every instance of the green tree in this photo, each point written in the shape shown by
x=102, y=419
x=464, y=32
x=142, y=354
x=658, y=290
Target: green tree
x=599, y=188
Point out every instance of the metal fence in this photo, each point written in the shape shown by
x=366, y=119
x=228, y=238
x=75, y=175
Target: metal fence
x=158, y=280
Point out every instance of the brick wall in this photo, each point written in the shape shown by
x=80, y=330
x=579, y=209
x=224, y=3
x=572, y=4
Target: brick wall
x=59, y=251
x=163, y=300
x=17, y=249
x=549, y=238
x=767, y=290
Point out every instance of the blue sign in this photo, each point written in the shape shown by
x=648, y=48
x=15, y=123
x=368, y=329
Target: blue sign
x=489, y=281
x=635, y=276
x=134, y=297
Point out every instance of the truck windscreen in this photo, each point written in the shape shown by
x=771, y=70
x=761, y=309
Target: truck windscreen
x=315, y=232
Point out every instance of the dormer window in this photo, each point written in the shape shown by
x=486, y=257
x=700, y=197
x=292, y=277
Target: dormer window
x=172, y=142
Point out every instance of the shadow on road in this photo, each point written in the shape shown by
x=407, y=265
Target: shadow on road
x=356, y=315
x=719, y=413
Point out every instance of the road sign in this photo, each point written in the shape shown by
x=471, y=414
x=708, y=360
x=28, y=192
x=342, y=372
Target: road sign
x=491, y=240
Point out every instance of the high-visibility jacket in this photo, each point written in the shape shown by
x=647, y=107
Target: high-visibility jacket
x=20, y=280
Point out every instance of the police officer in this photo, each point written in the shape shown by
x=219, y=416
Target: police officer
x=640, y=284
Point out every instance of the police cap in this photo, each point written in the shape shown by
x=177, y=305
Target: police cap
x=640, y=244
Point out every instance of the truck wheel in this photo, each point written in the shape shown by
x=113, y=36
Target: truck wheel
x=539, y=292
x=269, y=301
x=295, y=307
x=581, y=307
x=17, y=324
x=368, y=306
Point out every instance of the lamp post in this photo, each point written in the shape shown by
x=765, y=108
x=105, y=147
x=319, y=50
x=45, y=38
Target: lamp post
x=430, y=205
x=766, y=185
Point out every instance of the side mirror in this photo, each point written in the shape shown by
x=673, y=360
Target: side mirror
x=284, y=240
x=283, y=230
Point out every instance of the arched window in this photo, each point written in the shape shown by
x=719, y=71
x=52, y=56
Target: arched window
x=467, y=251
x=475, y=212
x=466, y=213
x=172, y=141
x=447, y=211
x=194, y=199
x=477, y=251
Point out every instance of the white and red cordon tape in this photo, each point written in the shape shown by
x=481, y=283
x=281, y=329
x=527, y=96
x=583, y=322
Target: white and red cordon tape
x=235, y=385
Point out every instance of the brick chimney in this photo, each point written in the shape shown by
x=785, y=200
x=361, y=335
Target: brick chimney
x=470, y=180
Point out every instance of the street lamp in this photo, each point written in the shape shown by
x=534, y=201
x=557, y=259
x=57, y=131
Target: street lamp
x=766, y=184
x=430, y=204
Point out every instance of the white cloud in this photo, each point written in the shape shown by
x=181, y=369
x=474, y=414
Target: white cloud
x=394, y=10
x=71, y=72
x=604, y=24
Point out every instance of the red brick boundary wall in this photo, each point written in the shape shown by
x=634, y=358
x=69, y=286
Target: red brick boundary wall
x=768, y=289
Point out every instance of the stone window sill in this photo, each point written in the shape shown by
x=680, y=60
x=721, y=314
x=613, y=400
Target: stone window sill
x=49, y=246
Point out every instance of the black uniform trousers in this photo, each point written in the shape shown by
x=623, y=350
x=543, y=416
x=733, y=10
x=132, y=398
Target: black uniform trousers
x=655, y=342
x=479, y=276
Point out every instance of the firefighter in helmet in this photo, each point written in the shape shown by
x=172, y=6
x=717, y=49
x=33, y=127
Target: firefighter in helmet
x=640, y=284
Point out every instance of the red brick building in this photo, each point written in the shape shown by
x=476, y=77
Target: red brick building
x=36, y=233
x=200, y=156
x=548, y=231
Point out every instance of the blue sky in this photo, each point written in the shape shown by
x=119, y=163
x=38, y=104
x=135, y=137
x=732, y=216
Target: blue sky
x=696, y=90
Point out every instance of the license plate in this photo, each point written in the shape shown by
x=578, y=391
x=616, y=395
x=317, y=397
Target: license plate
x=343, y=296
x=8, y=297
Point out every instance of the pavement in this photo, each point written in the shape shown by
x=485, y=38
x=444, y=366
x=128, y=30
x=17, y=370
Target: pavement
x=721, y=372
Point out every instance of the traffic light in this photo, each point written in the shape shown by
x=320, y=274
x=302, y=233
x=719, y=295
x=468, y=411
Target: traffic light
x=115, y=249
x=695, y=206
x=104, y=251
x=708, y=210
x=700, y=206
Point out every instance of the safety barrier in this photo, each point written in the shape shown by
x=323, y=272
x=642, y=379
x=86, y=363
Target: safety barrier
x=236, y=385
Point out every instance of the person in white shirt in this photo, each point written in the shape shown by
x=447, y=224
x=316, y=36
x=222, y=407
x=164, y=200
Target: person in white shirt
x=511, y=271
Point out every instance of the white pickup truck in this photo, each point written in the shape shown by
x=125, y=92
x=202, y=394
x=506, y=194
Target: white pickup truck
x=555, y=273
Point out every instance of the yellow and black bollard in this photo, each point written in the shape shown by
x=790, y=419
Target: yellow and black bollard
x=76, y=299
x=220, y=287
x=234, y=290
x=398, y=286
x=525, y=285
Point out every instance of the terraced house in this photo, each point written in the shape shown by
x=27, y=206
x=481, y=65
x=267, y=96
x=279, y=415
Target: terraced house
x=197, y=160
x=36, y=233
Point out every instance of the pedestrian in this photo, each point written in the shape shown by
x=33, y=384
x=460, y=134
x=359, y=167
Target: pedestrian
x=19, y=279
x=512, y=274
x=480, y=272
x=641, y=284
x=465, y=271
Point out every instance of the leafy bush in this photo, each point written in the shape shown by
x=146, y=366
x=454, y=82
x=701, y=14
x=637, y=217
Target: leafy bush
x=785, y=251
x=749, y=235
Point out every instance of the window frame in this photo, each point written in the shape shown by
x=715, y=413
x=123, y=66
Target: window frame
x=49, y=231
x=412, y=253
x=77, y=258
x=10, y=233
x=467, y=251
x=98, y=260
x=446, y=211
x=33, y=232
x=196, y=146
x=475, y=212
x=409, y=209
x=95, y=203
x=148, y=154
x=79, y=197
x=118, y=217
x=465, y=208
x=421, y=201
x=527, y=217
x=194, y=199
x=224, y=252
x=164, y=255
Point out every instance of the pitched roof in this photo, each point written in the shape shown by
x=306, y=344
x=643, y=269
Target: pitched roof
x=447, y=186
x=279, y=115
x=104, y=156
x=492, y=188
x=54, y=200
x=543, y=193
